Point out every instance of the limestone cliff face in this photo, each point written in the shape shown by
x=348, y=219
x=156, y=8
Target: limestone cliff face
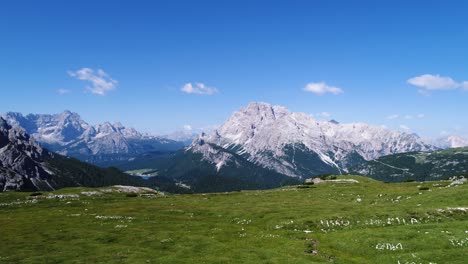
x=21, y=161
x=297, y=145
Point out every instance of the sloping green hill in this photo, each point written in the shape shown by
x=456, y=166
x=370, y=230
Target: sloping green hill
x=359, y=221
x=236, y=174
x=419, y=166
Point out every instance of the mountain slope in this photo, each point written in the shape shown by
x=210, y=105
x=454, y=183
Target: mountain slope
x=264, y=146
x=234, y=172
x=296, y=145
x=25, y=165
x=102, y=144
x=419, y=166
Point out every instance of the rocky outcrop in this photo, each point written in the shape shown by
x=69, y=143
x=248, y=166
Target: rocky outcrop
x=296, y=145
x=67, y=134
x=21, y=161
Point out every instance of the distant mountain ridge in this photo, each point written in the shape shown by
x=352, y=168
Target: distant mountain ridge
x=451, y=141
x=25, y=165
x=66, y=133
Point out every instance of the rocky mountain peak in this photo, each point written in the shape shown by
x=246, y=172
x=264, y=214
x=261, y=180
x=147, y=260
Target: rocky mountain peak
x=272, y=136
x=262, y=111
x=3, y=124
x=68, y=134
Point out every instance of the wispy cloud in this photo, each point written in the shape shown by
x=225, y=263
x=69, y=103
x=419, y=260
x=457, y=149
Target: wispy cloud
x=63, y=91
x=391, y=117
x=198, y=88
x=429, y=82
x=405, y=128
x=101, y=82
x=322, y=88
x=325, y=115
x=407, y=117
x=199, y=129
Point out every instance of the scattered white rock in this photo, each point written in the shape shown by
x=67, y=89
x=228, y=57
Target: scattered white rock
x=62, y=196
x=91, y=193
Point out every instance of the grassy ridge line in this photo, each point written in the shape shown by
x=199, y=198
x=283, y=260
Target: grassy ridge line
x=419, y=166
x=284, y=225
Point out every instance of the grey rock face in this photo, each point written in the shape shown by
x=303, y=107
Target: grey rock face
x=67, y=134
x=296, y=145
x=21, y=165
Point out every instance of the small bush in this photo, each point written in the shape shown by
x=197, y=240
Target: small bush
x=308, y=183
x=423, y=188
x=409, y=180
x=131, y=195
x=36, y=194
x=303, y=186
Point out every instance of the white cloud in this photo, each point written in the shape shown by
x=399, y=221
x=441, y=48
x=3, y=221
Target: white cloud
x=433, y=82
x=444, y=133
x=465, y=85
x=63, y=91
x=429, y=82
x=322, y=88
x=405, y=128
x=198, y=88
x=407, y=117
x=188, y=127
x=101, y=82
x=323, y=115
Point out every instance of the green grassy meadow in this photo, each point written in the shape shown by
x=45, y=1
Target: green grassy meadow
x=332, y=222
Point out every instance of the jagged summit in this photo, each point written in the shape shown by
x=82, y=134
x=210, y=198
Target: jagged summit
x=3, y=123
x=20, y=159
x=25, y=165
x=297, y=145
x=68, y=134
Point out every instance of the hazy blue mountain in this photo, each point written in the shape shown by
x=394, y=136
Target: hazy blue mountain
x=25, y=165
x=103, y=144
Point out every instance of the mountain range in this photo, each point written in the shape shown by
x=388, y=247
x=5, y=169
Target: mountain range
x=103, y=144
x=25, y=165
x=259, y=146
x=271, y=138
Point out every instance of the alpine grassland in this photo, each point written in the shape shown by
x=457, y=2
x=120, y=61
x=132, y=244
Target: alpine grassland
x=348, y=220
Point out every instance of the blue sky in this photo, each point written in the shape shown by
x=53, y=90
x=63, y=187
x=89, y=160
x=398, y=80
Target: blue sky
x=390, y=63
